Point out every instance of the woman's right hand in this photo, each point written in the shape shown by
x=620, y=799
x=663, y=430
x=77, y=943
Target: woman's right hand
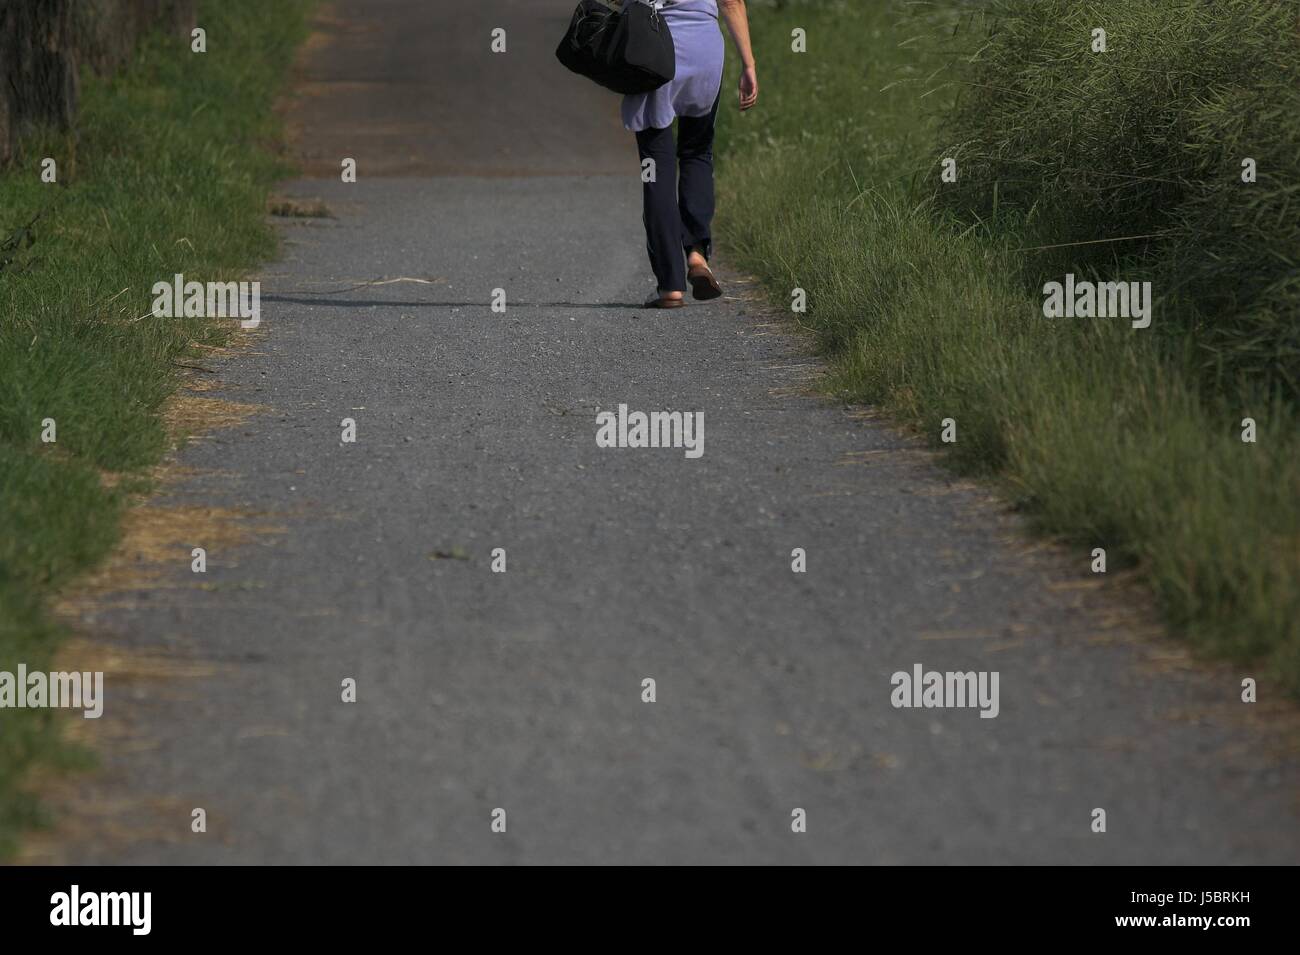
x=748, y=87
x=736, y=17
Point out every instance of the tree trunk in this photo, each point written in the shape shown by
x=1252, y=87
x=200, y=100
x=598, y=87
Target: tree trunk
x=43, y=43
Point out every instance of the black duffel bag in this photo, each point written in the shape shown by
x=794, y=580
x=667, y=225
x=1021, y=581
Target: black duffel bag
x=627, y=51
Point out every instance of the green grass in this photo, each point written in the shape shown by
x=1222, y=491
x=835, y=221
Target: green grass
x=167, y=171
x=1148, y=139
x=926, y=305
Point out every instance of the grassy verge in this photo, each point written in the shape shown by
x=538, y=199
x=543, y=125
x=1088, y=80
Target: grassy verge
x=927, y=303
x=168, y=171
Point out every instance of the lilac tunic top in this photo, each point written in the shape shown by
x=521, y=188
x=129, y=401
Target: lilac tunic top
x=697, y=42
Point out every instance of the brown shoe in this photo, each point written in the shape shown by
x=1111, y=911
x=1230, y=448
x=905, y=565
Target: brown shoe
x=703, y=285
x=660, y=301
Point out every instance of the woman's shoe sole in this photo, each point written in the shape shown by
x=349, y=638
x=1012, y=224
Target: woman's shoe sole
x=704, y=287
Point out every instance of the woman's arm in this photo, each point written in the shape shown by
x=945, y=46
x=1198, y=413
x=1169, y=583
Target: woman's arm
x=737, y=20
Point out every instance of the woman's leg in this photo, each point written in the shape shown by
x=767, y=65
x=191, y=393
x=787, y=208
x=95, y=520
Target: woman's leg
x=663, y=224
x=695, y=185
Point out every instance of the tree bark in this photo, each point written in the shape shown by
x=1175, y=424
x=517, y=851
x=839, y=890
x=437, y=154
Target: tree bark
x=43, y=44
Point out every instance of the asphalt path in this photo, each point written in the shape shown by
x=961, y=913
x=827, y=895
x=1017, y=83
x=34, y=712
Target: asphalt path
x=523, y=690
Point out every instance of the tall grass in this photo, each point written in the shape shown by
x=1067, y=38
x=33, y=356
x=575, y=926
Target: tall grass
x=1149, y=139
x=928, y=304
x=167, y=171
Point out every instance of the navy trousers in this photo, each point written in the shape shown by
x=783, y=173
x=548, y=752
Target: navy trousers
x=678, y=203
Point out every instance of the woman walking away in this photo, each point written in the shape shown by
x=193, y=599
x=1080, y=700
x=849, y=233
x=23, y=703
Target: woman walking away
x=679, y=194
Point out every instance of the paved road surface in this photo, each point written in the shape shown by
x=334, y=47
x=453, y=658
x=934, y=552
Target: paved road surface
x=523, y=690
